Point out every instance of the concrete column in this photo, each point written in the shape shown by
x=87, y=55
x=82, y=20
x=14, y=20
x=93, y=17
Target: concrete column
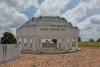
x=64, y=39
x=40, y=43
x=70, y=42
x=22, y=43
x=37, y=43
x=62, y=43
x=28, y=42
x=57, y=42
x=34, y=43
x=17, y=40
x=76, y=43
x=66, y=44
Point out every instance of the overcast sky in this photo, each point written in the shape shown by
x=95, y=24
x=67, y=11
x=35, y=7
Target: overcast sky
x=82, y=13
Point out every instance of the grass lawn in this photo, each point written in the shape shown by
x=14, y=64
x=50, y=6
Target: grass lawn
x=84, y=44
x=88, y=44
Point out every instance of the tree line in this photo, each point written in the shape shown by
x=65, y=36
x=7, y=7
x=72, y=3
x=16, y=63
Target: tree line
x=90, y=40
x=79, y=40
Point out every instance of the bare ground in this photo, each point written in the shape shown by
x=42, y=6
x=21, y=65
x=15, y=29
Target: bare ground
x=84, y=58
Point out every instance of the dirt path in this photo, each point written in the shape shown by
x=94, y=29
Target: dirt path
x=84, y=58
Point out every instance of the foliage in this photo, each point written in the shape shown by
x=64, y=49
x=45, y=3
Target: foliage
x=25, y=45
x=91, y=40
x=79, y=39
x=98, y=40
x=54, y=40
x=8, y=38
x=33, y=65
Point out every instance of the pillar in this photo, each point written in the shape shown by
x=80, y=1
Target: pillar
x=34, y=43
x=57, y=42
x=37, y=43
x=66, y=44
x=17, y=40
x=70, y=42
x=40, y=43
x=22, y=43
x=28, y=42
x=64, y=39
x=76, y=43
x=62, y=43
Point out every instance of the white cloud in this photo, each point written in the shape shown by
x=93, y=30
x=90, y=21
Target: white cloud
x=76, y=13
x=80, y=10
x=21, y=5
x=90, y=28
x=51, y=7
x=10, y=18
x=95, y=3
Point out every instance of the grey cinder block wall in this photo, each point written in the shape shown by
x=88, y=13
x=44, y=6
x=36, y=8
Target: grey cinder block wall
x=9, y=52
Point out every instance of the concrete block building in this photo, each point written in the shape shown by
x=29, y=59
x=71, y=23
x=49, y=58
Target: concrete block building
x=47, y=27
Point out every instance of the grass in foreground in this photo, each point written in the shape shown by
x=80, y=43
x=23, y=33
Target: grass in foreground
x=33, y=65
x=88, y=44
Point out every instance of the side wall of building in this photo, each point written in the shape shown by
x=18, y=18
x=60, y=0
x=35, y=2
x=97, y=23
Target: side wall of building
x=9, y=52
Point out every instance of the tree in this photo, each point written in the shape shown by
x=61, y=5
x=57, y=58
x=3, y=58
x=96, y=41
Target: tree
x=98, y=40
x=79, y=39
x=91, y=40
x=8, y=38
x=54, y=40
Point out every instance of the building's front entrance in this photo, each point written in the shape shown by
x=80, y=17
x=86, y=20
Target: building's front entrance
x=48, y=44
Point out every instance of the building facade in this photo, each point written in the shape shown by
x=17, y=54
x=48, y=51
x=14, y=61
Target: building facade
x=47, y=27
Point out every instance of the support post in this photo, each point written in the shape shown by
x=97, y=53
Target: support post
x=40, y=43
x=57, y=42
x=17, y=40
x=34, y=43
x=70, y=42
x=28, y=42
x=66, y=44
x=22, y=43
x=76, y=43
x=37, y=43
x=62, y=43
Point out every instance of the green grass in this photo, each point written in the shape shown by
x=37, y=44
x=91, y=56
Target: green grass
x=33, y=65
x=88, y=44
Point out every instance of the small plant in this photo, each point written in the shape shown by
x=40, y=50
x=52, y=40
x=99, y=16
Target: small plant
x=33, y=65
x=41, y=52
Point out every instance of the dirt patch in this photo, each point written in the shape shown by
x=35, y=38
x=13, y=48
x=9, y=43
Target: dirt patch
x=84, y=58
